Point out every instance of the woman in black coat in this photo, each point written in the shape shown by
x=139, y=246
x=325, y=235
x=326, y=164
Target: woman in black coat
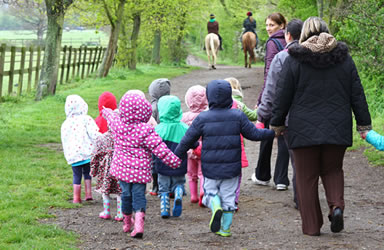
x=319, y=88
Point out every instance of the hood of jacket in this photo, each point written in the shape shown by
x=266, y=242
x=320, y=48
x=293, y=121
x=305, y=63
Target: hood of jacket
x=136, y=92
x=196, y=99
x=134, y=108
x=75, y=105
x=159, y=88
x=321, y=51
x=169, y=108
x=170, y=128
x=219, y=94
x=108, y=100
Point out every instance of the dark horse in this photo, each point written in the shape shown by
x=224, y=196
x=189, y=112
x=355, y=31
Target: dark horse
x=249, y=43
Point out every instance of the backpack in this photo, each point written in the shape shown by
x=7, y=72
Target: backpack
x=277, y=42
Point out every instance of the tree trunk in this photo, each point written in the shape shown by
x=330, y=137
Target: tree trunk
x=134, y=37
x=50, y=67
x=156, y=47
x=320, y=8
x=178, y=50
x=109, y=54
x=40, y=33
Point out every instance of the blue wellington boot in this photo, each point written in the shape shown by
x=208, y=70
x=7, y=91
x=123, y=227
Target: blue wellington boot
x=225, y=229
x=164, y=205
x=217, y=212
x=178, y=203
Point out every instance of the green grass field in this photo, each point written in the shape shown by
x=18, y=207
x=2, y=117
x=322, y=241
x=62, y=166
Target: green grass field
x=34, y=177
x=73, y=38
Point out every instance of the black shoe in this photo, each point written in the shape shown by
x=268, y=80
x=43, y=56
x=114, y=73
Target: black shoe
x=337, y=221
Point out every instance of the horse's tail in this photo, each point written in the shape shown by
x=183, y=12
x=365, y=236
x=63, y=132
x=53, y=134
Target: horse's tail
x=212, y=45
x=249, y=46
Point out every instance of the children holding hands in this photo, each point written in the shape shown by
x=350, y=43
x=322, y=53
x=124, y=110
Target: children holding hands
x=135, y=141
x=220, y=128
x=171, y=130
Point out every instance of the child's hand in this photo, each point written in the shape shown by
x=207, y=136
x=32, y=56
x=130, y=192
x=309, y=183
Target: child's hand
x=197, y=151
x=259, y=125
x=363, y=134
x=278, y=130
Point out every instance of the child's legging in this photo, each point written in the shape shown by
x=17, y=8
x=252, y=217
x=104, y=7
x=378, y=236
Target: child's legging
x=194, y=172
x=133, y=197
x=79, y=171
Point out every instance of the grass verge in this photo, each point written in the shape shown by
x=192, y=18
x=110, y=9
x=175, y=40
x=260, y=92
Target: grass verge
x=34, y=176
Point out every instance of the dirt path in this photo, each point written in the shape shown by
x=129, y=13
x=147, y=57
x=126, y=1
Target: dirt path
x=266, y=219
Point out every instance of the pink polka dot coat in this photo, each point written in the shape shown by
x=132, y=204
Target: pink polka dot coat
x=135, y=141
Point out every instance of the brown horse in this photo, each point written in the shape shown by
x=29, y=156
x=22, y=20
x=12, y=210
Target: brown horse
x=249, y=44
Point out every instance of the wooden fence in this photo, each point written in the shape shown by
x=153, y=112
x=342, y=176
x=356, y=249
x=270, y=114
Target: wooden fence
x=17, y=62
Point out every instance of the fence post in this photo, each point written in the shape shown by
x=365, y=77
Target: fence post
x=98, y=57
x=30, y=69
x=94, y=60
x=37, y=72
x=78, y=63
x=74, y=63
x=89, y=61
x=2, y=60
x=84, y=59
x=11, y=69
x=21, y=73
x=68, y=64
x=62, y=66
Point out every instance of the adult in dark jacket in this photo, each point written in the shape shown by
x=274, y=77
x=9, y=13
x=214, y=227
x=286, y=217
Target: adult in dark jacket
x=319, y=87
x=275, y=25
x=213, y=27
x=220, y=128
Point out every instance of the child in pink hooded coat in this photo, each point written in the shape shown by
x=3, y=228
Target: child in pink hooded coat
x=135, y=142
x=196, y=101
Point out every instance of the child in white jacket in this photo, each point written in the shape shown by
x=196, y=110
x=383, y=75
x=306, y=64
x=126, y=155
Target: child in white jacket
x=78, y=133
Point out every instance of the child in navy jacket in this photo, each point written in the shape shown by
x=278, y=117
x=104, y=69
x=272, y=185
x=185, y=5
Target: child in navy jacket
x=171, y=130
x=220, y=128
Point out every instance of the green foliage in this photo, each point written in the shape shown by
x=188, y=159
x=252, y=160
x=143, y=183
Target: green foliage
x=301, y=9
x=360, y=27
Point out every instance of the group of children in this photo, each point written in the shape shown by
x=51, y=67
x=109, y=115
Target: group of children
x=137, y=142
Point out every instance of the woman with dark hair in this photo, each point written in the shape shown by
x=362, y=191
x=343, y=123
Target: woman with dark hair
x=320, y=88
x=275, y=25
x=264, y=111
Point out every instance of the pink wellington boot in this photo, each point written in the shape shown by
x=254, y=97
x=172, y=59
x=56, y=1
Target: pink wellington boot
x=193, y=190
x=138, y=230
x=128, y=223
x=88, y=190
x=76, y=193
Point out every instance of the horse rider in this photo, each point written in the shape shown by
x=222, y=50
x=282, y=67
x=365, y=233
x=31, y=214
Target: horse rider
x=249, y=25
x=213, y=27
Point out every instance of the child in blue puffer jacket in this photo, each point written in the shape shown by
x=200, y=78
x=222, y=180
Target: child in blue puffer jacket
x=220, y=128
